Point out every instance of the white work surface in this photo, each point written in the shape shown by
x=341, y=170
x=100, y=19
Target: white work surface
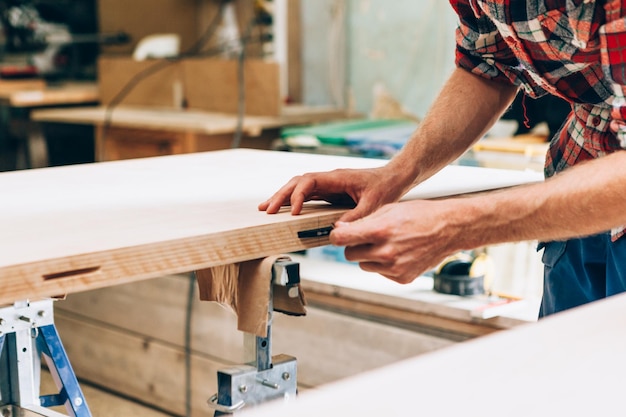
x=74, y=228
x=570, y=364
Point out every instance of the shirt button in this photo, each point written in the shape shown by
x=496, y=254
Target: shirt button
x=596, y=121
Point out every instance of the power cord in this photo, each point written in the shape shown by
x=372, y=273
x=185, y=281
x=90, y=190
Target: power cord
x=241, y=85
x=188, y=329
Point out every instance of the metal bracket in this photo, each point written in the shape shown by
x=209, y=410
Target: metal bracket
x=266, y=377
x=27, y=333
x=245, y=385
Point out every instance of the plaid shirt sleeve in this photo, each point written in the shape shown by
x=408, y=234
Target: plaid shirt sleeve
x=613, y=54
x=481, y=49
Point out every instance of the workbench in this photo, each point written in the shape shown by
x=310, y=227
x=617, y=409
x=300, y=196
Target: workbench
x=142, y=131
x=17, y=100
x=72, y=229
x=66, y=93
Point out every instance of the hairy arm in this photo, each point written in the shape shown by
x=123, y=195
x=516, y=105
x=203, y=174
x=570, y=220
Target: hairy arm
x=586, y=199
x=402, y=240
x=466, y=108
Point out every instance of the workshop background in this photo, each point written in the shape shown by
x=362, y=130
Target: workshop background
x=344, y=77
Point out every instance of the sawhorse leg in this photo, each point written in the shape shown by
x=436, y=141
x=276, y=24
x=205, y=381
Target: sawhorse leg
x=28, y=333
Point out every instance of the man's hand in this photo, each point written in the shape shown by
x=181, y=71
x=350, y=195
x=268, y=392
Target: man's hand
x=402, y=240
x=364, y=189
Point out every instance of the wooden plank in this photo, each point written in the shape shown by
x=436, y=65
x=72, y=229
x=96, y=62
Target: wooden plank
x=213, y=85
x=133, y=308
x=115, y=73
x=134, y=143
x=65, y=94
x=10, y=87
x=74, y=228
x=208, y=84
x=140, y=18
x=175, y=120
x=401, y=317
x=137, y=366
x=146, y=118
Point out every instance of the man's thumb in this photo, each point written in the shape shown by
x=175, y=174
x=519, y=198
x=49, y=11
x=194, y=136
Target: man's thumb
x=360, y=211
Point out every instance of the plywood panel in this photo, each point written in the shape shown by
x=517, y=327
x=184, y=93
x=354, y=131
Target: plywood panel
x=156, y=89
x=140, y=18
x=74, y=228
x=213, y=85
x=205, y=83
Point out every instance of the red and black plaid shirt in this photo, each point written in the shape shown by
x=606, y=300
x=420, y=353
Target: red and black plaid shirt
x=575, y=49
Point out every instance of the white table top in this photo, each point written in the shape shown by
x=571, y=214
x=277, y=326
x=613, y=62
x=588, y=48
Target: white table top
x=571, y=364
x=73, y=228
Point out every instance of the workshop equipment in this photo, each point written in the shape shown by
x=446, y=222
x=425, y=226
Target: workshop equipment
x=265, y=377
x=462, y=274
x=64, y=47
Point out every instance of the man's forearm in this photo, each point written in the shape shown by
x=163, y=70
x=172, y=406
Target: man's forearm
x=584, y=200
x=464, y=110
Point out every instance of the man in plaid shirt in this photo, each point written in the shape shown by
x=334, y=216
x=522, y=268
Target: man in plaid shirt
x=575, y=49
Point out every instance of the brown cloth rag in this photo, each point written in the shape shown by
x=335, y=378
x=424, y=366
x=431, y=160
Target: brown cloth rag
x=246, y=288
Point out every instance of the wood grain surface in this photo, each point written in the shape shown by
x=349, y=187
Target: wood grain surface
x=74, y=228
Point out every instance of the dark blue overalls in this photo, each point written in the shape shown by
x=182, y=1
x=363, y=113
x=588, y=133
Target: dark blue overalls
x=580, y=271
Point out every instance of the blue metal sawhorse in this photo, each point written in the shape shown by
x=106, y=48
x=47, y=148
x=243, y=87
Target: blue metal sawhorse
x=27, y=333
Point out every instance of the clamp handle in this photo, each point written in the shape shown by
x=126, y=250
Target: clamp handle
x=226, y=409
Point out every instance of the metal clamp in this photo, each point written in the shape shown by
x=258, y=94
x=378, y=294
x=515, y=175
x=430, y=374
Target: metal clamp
x=265, y=377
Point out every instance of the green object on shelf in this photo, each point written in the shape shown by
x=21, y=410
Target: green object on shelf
x=335, y=133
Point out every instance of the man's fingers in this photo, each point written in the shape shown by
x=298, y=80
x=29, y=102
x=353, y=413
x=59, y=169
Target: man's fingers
x=273, y=205
x=350, y=234
x=387, y=271
x=302, y=192
x=362, y=210
x=279, y=199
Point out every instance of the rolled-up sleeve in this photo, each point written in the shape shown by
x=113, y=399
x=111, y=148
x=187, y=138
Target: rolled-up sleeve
x=480, y=47
x=613, y=52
